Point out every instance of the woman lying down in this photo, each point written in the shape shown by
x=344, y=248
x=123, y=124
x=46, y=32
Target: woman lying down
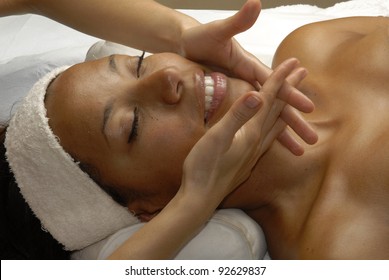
x=171, y=141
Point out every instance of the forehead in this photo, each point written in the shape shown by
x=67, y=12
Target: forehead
x=80, y=81
x=73, y=103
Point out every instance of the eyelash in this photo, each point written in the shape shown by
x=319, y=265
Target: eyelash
x=135, y=124
x=140, y=64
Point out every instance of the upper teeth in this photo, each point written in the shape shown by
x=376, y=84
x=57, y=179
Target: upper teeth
x=209, y=90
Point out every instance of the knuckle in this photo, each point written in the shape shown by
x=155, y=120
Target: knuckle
x=240, y=116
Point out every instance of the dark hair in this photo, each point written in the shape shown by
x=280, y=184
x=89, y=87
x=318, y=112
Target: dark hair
x=22, y=235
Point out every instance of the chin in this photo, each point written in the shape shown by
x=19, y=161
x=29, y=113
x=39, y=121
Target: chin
x=235, y=89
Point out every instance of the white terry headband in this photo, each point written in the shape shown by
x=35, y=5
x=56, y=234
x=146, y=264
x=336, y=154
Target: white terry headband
x=69, y=204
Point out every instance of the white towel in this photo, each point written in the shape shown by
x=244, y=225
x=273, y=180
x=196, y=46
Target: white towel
x=75, y=210
x=360, y=8
x=342, y=9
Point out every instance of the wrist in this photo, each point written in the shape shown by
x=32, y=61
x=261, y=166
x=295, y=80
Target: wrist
x=176, y=224
x=196, y=200
x=185, y=23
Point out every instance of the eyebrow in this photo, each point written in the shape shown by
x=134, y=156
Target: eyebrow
x=109, y=106
x=106, y=115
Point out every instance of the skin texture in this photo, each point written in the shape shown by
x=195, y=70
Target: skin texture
x=331, y=202
x=169, y=108
x=94, y=112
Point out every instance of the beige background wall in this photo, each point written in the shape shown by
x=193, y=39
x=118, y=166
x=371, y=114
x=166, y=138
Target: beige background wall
x=235, y=4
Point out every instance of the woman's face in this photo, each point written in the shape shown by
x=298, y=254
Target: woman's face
x=136, y=123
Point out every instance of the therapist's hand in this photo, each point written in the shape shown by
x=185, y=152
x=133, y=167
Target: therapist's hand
x=213, y=44
x=224, y=157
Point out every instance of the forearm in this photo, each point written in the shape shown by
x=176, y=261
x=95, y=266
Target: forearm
x=142, y=24
x=175, y=225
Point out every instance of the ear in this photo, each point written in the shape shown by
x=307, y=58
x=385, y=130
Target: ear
x=146, y=207
x=144, y=210
x=146, y=217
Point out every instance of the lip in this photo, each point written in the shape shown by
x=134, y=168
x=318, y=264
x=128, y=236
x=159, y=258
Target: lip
x=200, y=90
x=220, y=90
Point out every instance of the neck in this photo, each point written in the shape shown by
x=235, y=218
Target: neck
x=282, y=189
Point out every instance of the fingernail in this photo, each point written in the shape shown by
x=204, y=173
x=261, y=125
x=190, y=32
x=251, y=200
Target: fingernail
x=252, y=102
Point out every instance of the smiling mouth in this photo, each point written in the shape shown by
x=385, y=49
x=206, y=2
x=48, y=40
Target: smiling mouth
x=215, y=90
x=209, y=91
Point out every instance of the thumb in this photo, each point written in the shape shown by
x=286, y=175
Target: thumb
x=242, y=20
x=240, y=112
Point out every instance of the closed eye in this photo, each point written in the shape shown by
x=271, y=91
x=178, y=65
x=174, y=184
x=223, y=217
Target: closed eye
x=140, y=64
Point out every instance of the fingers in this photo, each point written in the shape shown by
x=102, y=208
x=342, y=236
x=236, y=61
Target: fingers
x=296, y=98
x=272, y=108
x=288, y=91
x=241, y=21
x=291, y=95
x=276, y=114
x=292, y=116
x=240, y=112
x=289, y=141
x=273, y=134
x=272, y=86
x=225, y=160
x=262, y=126
x=296, y=122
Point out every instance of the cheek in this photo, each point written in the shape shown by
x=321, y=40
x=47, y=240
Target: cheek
x=154, y=163
x=167, y=146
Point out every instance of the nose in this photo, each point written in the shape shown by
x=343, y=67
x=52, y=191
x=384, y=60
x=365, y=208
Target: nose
x=164, y=84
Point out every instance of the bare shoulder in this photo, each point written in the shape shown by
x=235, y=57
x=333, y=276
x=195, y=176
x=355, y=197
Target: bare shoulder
x=350, y=240
x=349, y=223
x=348, y=62
x=350, y=219
x=351, y=54
x=315, y=43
